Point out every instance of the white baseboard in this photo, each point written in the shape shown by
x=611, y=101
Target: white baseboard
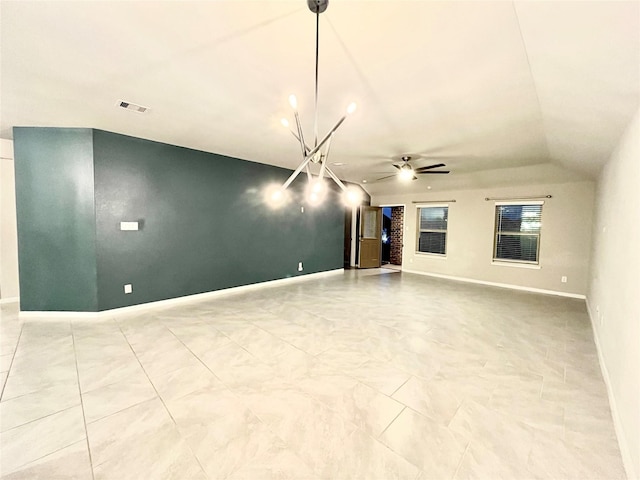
x=9, y=300
x=625, y=453
x=495, y=284
x=172, y=302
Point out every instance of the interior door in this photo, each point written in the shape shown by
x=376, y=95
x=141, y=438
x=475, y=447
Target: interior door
x=370, y=237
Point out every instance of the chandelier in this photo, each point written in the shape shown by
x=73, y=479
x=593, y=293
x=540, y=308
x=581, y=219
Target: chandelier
x=317, y=188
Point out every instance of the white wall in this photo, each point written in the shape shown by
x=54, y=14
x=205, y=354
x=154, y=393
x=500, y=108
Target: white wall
x=9, y=288
x=614, y=291
x=564, y=244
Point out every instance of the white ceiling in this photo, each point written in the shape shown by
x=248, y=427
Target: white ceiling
x=502, y=92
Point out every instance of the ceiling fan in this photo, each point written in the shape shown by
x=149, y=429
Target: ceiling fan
x=407, y=172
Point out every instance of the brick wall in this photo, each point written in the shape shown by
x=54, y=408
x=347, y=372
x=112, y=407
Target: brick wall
x=397, y=230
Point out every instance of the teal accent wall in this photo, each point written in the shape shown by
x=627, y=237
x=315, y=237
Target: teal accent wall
x=204, y=225
x=56, y=219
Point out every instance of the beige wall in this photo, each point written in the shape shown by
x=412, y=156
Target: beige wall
x=614, y=292
x=9, y=288
x=564, y=245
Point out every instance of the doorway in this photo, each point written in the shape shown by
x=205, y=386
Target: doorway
x=392, y=235
x=370, y=237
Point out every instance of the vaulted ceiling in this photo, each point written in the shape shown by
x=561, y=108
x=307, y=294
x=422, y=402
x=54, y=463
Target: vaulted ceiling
x=501, y=92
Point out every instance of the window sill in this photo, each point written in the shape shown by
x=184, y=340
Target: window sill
x=431, y=255
x=516, y=265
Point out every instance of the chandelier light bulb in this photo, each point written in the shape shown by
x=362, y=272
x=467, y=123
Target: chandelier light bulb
x=275, y=196
x=293, y=101
x=352, y=197
x=284, y=122
x=316, y=192
x=351, y=108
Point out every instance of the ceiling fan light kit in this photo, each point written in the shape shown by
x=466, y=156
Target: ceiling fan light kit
x=406, y=171
x=317, y=189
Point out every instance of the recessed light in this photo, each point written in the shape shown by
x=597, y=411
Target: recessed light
x=364, y=181
x=428, y=187
x=338, y=164
x=132, y=106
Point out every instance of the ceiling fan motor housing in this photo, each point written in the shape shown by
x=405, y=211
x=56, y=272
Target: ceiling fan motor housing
x=317, y=6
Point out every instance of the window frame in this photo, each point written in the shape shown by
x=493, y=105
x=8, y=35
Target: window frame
x=516, y=262
x=419, y=207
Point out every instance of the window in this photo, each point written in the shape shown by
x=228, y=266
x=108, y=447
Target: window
x=432, y=229
x=517, y=232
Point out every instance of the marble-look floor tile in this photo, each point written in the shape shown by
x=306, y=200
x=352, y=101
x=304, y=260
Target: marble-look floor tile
x=281, y=383
x=160, y=361
x=481, y=462
x=537, y=413
x=41, y=403
x=44, y=362
x=200, y=339
x=5, y=362
x=552, y=457
x=223, y=433
x=428, y=445
x=380, y=375
x=365, y=407
x=313, y=431
x=30, y=381
x=68, y=463
x=278, y=465
x=3, y=380
x=32, y=441
x=93, y=353
x=437, y=399
x=363, y=457
x=140, y=442
x=105, y=401
x=496, y=430
x=234, y=366
x=185, y=380
x=164, y=456
x=109, y=372
x=196, y=409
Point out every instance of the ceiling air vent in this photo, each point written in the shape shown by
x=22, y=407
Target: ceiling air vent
x=132, y=106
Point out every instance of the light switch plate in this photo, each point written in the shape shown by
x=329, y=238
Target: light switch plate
x=128, y=225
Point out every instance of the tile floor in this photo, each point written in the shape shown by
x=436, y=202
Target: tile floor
x=367, y=375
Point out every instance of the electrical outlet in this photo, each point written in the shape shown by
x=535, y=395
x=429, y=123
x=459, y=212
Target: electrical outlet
x=300, y=266
x=563, y=279
x=128, y=288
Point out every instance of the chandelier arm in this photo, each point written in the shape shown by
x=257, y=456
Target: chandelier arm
x=309, y=176
x=298, y=138
x=326, y=137
x=336, y=179
x=300, y=135
x=326, y=152
x=323, y=167
x=295, y=173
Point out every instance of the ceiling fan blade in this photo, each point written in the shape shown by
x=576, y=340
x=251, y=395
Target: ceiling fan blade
x=399, y=167
x=433, y=171
x=429, y=167
x=384, y=178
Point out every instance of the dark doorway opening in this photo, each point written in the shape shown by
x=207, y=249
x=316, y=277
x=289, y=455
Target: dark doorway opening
x=386, y=235
x=392, y=235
